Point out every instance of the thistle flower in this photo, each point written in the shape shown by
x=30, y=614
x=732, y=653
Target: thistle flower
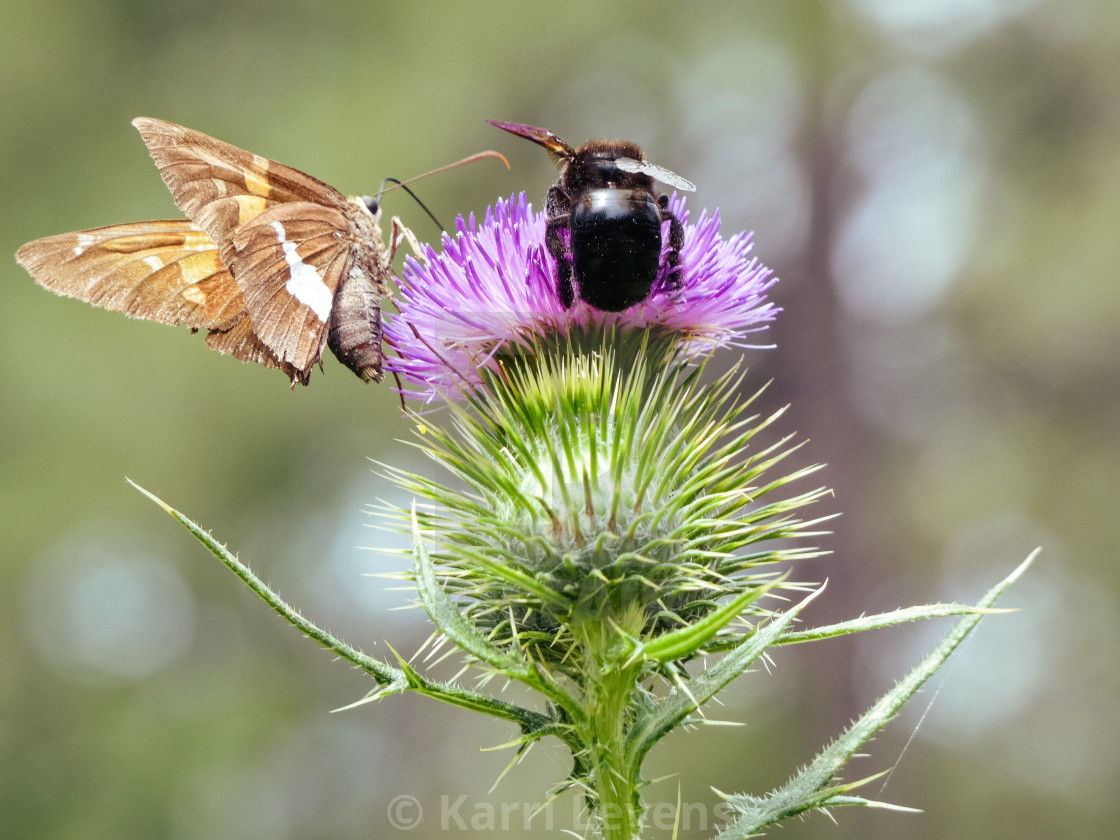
x=493, y=289
x=635, y=501
x=607, y=481
x=612, y=518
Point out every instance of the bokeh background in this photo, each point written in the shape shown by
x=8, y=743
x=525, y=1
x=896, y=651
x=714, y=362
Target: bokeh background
x=937, y=182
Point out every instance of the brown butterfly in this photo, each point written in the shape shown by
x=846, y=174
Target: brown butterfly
x=272, y=263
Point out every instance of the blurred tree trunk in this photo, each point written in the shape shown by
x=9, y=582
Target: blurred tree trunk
x=811, y=373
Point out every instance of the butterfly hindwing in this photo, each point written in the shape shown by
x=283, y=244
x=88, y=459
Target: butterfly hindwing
x=297, y=260
x=239, y=339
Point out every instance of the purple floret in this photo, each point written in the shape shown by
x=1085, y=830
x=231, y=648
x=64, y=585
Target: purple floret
x=494, y=285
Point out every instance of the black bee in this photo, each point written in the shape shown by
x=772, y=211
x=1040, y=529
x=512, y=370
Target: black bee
x=604, y=219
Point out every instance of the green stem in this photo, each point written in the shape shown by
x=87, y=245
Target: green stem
x=613, y=775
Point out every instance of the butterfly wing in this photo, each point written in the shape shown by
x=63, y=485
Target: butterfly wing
x=220, y=186
x=297, y=261
x=165, y=271
x=289, y=239
x=239, y=339
x=259, y=264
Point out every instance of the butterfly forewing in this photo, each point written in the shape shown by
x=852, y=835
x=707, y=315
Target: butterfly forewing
x=167, y=271
x=221, y=187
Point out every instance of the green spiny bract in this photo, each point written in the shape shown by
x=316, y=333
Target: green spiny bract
x=610, y=489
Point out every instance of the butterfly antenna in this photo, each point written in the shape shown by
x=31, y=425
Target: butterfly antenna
x=423, y=206
x=376, y=202
x=469, y=159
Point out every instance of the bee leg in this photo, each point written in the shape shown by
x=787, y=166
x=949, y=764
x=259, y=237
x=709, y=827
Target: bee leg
x=676, y=241
x=555, y=204
x=564, y=282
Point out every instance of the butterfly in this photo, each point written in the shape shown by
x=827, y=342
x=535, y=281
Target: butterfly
x=274, y=264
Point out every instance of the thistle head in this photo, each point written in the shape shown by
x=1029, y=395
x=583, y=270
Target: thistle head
x=604, y=490
x=595, y=502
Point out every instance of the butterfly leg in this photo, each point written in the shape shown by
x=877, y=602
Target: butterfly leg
x=399, y=234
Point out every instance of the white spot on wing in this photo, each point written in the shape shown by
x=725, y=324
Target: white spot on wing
x=84, y=241
x=195, y=295
x=154, y=262
x=305, y=284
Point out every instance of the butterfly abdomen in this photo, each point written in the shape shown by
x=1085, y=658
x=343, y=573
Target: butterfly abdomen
x=354, y=332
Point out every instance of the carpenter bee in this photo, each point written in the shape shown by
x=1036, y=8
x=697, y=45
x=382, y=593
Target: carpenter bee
x=604, y=219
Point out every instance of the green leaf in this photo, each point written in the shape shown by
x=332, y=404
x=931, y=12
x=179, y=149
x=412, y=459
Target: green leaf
x=690, y=638
x=383, y=673
x=887, y=619
x=655, y=722
x=390, y=680
x=810, y=788
x=455, y=626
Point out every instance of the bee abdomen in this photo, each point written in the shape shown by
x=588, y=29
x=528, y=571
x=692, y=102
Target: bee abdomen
x=616, y=245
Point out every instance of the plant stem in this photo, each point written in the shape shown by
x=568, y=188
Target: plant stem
x=613, y=776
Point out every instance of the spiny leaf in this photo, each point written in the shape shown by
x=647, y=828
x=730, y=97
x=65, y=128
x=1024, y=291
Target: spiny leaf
x=455, y=626
x=687, y=640
x=390, y=680
x=669, y=711
x=810, y=788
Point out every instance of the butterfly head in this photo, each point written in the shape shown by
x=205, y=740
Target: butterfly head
x=372, y=203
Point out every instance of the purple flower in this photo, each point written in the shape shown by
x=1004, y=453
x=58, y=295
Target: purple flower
x=494, y=286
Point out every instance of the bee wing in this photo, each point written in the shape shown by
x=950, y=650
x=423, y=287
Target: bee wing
x=658, y=173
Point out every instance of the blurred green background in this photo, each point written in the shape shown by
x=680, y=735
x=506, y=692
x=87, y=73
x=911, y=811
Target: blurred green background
x=937, y=182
